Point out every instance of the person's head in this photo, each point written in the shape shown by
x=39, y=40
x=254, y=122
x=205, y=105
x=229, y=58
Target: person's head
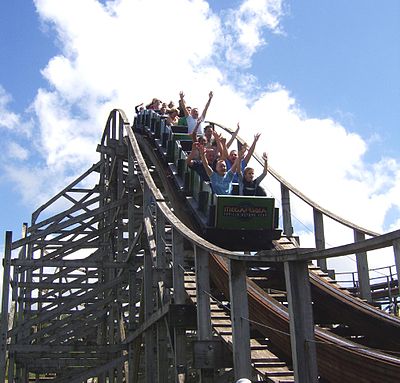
x=202, y=140
x=194, y=113
x=210, y=155
x=173, y=113
x=220, y=168
x=248, y=174
x=208, y=131
x=163, y=108
x=232, y=155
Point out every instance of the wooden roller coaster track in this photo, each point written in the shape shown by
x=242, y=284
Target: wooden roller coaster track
x=111, y=282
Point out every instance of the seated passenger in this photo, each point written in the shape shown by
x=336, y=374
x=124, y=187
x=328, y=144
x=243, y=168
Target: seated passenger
x=221, y=179
x=250, y=186
x=208, y=133
x=193, y=115
x=196, y=164
x=233, y=154
x=172, y=117
x=164, y=110
x=155, y=104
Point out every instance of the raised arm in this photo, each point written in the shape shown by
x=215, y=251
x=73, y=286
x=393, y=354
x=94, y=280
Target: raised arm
x=137, y=108
x=221, y=146
x=203, y=115
x=236, y=167
x=207, y=167
x=182, y=103
x=196, y=128
x=265, y=158
x=251, y=149
x=192, y=154
x=233, y=136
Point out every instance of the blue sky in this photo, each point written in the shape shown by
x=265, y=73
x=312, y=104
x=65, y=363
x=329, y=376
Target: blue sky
x=319, y=78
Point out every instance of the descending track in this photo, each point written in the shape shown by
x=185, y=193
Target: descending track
x=102, y=283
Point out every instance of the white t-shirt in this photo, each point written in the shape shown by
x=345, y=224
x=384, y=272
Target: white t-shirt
x=191, y=123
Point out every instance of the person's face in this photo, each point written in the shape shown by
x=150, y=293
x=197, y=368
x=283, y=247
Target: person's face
x=210, y=155
x=208, y=133
x=221, y=168
x=249, y=175
x=195, y=113
x=201, y=140
x=233, y=155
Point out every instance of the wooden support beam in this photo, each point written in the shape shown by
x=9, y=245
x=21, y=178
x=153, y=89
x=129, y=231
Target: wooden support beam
x=319, y=236
x=286, y=214
x=302, y=339
x=4, y=305
x=396, y=251
x=362, y=269
x=204, y=329
x=163, y=298
x=239, y=318
x=149, y=339
x=179, y=298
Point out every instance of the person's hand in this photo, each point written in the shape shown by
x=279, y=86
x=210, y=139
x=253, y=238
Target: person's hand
x=223, y=140
x=237, y=129
x=210, y=95
x=216, y=135
x=181, y=95
x=265, y=157
x=257, y=136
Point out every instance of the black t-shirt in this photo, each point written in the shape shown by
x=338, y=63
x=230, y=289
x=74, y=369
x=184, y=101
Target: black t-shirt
x=197, y=166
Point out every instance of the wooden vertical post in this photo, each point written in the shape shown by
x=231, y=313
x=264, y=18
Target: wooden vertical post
x=286, y=214
x=204, y=329
x=179, y=298
x=4, y=305
x=149, y=345
x=319, y=235
x=162, y=331
x=239, y=318
x=301, y=322
x=362, y=269
x=396, y=250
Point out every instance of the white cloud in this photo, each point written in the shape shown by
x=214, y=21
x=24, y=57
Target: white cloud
x=246, y=25
x=8, y=119
x=126, y=52
x=17, y=152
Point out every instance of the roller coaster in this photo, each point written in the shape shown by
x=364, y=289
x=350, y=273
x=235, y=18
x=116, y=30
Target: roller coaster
x=115, y=281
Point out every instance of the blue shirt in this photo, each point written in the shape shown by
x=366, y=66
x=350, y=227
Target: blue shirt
x=229, y=165
x=222, y=185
